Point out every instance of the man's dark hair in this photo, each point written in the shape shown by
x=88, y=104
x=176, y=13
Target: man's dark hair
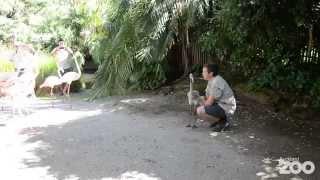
x=214, y=68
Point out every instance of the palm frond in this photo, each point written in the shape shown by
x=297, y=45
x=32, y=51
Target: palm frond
x=141, y=34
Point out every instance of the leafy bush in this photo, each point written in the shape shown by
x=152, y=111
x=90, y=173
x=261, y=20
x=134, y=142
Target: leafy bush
x=264, y=40
x=147, y=76
x=46, y=65
x=315, y=94
x=6, y=66
x=280, y=78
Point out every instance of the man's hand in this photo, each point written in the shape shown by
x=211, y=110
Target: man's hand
x=61, y=69
x=202, y=100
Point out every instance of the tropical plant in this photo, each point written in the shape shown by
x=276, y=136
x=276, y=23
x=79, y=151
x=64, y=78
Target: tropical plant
x=6, y=66
x=269, y=42
x=141, y=34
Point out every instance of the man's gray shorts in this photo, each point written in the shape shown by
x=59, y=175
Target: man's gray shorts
x=216, y=111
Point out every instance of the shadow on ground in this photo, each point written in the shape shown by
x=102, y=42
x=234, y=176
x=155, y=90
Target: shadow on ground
x=144, y=136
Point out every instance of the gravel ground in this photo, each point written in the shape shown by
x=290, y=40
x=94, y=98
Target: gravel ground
x=144, y=137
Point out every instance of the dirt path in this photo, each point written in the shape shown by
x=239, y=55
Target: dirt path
x=144, y=137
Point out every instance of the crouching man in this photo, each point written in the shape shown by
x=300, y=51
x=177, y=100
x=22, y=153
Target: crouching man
x=219, y=100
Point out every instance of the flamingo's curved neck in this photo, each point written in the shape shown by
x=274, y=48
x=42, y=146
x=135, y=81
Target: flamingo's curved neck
x=78, y=67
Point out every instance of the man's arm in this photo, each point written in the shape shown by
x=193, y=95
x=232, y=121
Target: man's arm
x=209, y=101
x=31, y=49
x=54, y=50
x=214, y=95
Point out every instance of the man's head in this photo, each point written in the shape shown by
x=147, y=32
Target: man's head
x=61, y=43
x=209, y=71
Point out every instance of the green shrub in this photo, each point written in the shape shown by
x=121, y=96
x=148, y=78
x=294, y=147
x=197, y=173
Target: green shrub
x=283, y=78
x=315, y=94
x=6, y=65
x=46, y=65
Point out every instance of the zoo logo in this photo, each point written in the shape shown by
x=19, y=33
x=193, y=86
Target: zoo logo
x=295, y=167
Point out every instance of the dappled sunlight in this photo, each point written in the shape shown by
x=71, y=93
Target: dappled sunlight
x=58, y=117
x=134, y=175
x=72, y=177
x=15, y=156
x=132, y=101
x=43, y=113
x=18, y=155
x=24, y=149
x=24, y=104
x=45, y=118
x=135, y=101
x=116, y=109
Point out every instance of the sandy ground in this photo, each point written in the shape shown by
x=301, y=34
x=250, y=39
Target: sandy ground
x=144, y=137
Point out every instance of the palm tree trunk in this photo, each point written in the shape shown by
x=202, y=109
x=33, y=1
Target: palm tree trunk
x=311, y=42
x=185, y=60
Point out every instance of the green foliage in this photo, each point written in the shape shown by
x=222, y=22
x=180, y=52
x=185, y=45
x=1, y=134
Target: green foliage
x=315, y=93
x=42, y=23
x=287, y=79
x=6, y=66
x=47, y=66
x=140, y=35
x=127, y=65
x=264, y=41
x=15, y=17
x=148, y=76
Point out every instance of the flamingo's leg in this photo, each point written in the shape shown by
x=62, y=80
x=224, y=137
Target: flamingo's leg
x=69, y=89
x=65, y=88
x=51, y=91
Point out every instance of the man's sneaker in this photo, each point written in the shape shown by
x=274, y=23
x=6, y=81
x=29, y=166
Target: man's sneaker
x=225, y=126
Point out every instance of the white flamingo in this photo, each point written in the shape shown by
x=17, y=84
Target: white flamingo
x=51, y=82
x=194, y=100
x=193, y=95
x=69, y=77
